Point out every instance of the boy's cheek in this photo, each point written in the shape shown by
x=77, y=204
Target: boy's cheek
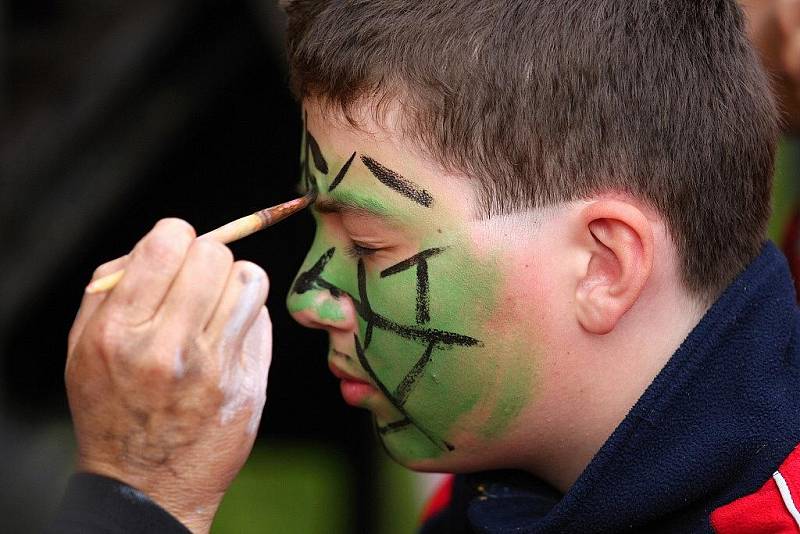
x=469, y=398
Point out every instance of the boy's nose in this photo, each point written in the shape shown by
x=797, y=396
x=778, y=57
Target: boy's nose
x=321, y=309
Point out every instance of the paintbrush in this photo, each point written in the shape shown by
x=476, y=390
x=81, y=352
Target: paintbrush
x=227, y=233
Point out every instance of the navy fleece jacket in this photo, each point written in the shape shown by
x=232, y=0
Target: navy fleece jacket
x=713, y=426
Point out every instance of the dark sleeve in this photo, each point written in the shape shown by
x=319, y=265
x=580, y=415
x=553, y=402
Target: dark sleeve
x=95, y=504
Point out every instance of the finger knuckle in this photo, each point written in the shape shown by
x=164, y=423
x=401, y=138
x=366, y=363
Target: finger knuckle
x=159, y=364
x=249, y=273
x=204, y=358
x=162, y=249
x=212, y=250
x=178, y=228
x=105, y=338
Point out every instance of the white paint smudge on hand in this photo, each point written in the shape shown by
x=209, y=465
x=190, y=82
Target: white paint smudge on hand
x=244, y=379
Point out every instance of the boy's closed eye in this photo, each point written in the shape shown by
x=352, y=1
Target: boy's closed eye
x=359, y=251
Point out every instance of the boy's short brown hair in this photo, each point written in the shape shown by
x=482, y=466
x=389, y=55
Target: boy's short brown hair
x=544, y=101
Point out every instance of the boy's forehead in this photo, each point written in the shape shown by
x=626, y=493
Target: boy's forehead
x=379, y=137
x=371, y=166
x=369, y=177
x=354, y=168
x=375, y=118
x=363, y=186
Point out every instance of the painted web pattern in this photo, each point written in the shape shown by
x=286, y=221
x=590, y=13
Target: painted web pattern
x=430, y=338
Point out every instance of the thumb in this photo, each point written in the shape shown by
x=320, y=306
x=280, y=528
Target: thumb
x=255, y=363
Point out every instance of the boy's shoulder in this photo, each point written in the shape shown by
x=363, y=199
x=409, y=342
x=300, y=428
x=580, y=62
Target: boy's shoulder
x=771, y=508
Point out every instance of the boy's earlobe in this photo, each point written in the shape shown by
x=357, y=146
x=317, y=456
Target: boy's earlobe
x=619, y=242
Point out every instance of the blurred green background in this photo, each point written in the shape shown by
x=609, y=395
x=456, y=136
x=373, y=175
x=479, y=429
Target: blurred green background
x=296, y=487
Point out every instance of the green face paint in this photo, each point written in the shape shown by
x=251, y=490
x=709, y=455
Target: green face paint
x=424, y=334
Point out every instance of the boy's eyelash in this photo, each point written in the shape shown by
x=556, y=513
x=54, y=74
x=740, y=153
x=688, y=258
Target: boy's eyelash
x=357, y=251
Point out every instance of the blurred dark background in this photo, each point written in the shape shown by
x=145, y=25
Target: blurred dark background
x=113, y=115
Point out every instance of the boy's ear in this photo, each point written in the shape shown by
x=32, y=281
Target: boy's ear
x=619, y=241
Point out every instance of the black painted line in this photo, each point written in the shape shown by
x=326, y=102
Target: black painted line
x=393, y=427
x=364, y=298
x=306, y=172
x=362, y=359
x=409, y=381
x=368, y=335
x=305, y=169
x=402, y=185
x=307, y=280
x=412, y=261
x=316, y=153
x=423, y=303
x=340, y=175
x=426, y=335
x=312, y=278
x=420, y=261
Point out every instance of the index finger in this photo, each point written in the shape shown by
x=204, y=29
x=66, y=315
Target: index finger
x=153, y=265
x=90, y=302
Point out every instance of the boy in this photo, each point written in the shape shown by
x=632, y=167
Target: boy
x=540, y=261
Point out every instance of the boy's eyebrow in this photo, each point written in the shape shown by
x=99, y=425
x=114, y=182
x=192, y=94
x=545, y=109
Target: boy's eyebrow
x=351, y=205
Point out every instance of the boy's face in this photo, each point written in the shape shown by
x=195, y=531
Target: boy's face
x=421, y=300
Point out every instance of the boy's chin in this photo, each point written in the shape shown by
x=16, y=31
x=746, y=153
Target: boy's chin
x=412, y=449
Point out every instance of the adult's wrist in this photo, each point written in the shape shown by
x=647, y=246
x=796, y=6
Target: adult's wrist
x=95, y=503
x=187, y=503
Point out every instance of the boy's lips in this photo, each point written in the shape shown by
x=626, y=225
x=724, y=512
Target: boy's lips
x=354, y=390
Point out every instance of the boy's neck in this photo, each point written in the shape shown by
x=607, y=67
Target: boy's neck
x=622, y=374
x=607, y=376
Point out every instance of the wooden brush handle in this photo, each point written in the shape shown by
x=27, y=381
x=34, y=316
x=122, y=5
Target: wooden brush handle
x=227, y=233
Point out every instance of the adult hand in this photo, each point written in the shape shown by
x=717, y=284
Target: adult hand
x=166, y=374
x=774, y=28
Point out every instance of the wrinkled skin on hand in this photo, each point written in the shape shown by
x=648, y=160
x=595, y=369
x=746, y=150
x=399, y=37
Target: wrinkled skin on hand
x=774, y=28
x=166, y=373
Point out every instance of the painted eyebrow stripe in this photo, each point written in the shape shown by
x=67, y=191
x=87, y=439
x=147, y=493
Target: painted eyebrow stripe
x=391, y=179
x=316, y=153
x=340, y=175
